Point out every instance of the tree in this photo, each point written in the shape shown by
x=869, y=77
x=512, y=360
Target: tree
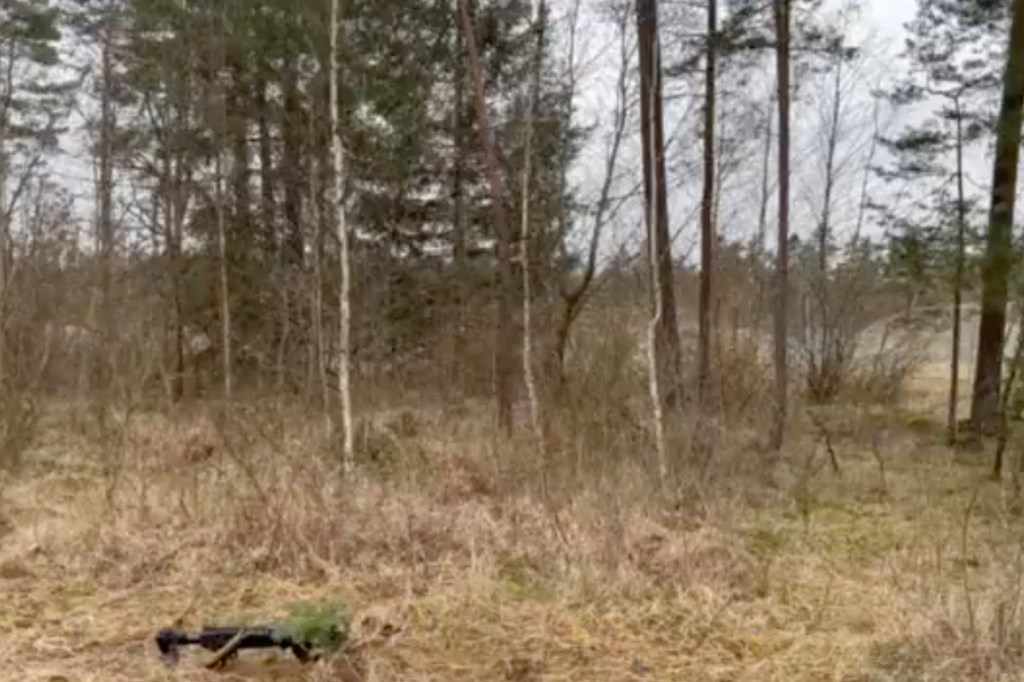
x=605, y=205
x=845, y=131
x=540, y=20
x=997, y=263
x=944, y=72
x=504, y=341
x=707, y=225
x=344, y=292
x=664, y=342
x=781, y=14
x=32, y=106
x=101, y=22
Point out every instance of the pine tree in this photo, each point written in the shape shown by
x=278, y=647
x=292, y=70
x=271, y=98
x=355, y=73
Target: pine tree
x=998, y=262
x=32, y=107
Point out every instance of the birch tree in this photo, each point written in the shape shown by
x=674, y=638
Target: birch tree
x=504, y=341
x=539, y=19
x=345, y=287
x=663, y=333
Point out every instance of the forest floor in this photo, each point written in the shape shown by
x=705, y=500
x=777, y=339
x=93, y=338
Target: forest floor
x=907, y=564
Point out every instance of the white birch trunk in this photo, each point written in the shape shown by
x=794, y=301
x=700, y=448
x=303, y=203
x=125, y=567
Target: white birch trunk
x=344, y=384
x=528, y=373
x=655, y=250
x=225, y=303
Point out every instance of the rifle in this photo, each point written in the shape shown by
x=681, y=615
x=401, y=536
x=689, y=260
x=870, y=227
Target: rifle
x=226, y=642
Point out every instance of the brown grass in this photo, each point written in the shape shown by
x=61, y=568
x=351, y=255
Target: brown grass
x=111, y=532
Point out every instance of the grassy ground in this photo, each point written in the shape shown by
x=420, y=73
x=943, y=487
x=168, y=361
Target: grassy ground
x=907, y=564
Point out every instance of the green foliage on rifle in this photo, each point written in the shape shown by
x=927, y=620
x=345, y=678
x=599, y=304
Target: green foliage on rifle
x=324, y=628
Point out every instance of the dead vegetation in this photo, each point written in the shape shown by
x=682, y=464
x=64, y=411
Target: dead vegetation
x=907, y=565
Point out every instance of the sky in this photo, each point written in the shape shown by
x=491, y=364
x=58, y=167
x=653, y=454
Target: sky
x=881, y=26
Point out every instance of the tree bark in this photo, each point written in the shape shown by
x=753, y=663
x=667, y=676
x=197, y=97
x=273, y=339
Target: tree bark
x=105, y=218
x=762, y=221
x=666, y=344
x=707, y=226
x=526, y=236
x=997, y=263
x=958, y=279
x=505, y=341
x=459, y=173
x=781, y=12
x=4, y=246
x=266, y=152
x=315, y=168
x=238, y=121
x=459, y=204
x=222, y=236
x=291, y=160
x=344, y=293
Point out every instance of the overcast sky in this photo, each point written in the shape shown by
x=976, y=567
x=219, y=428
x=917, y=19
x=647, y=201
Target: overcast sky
x=881, y=26
x=879, y=29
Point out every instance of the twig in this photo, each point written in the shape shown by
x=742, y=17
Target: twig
x=827, y=437
x=963, y=562
x=876, y=451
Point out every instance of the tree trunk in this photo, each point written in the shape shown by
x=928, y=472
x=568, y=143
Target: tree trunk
x=997, y=263
x=781, y=12
x=316, y=302
x=762, y=222
x=505, y=341
x=958, y=279
x=666, y=346
x=238, y=121
x=225, y=301
x=820, y=332
x=220, y=136
x=174, y=271
x=4, y=247
x=344, y=293
x=707, y=226
x=459, y=205
x=540, y=19
x=105, y=218
x=266, y=151
x=291, y=160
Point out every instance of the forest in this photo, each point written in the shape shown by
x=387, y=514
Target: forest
x=521, y=340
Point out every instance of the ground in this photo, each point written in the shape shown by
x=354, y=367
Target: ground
x=906, y=564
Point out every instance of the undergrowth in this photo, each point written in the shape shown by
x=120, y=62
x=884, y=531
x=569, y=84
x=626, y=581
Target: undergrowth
x=900, y=564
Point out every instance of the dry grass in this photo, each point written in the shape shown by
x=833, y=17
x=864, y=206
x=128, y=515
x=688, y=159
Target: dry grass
x=906, y=566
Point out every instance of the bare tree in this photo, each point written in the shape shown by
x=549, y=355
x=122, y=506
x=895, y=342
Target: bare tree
x=605, y=206
x=958, y=276
x=781, y=14
x=829, y=328
x=504, y=342
x=540, y=19
x=105, y=236
x=220, y=129
x=345, y=287
x=666, y=331
x=316, y=166
x=707, y=225
x=762, y=214
x=663, y=333
x=459, y=195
